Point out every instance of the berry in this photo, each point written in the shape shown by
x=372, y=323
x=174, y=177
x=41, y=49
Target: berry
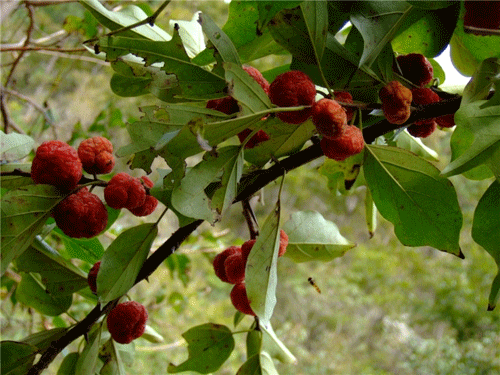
x=446, y=121
x=258, y=77
x=329, y=118
x=92, y=277
x=81, y=214
x=240, y=300
x=424, y=96
x=283, y=243
x=56, y=163
x=259, y=137
x=422, y=129
x=345, y=97
x=416, y=68
x=220, y=259
x=246, y=247
x=234, y=267
x=481, y=15
x=96, y=155
x=396, y=100
x=127, y=321
x=149, y=204
x=124, y=191
x=291, y=89
x=350, y=143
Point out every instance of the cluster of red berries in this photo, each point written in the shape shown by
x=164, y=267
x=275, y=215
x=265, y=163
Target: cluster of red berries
x=82, y=213
x=292, y=89
x=396, y=98
x=229, y=266
x=126, y=321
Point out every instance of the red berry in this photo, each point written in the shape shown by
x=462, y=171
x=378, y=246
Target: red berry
x=329, y=118
x=92, y=277
x=422, y=129
x=416, y=68
x=424, y=96
x=481, y=15
x=283, y=243
x=81, y=214
x=258, y=77
x=124, y=191
x=291, y=89
x=96, y=155
x=127, y=321
x=350, y=143
x=56, y=163
x=246, y=247
x=149, y=204
x=259, y=137
x=240, y=300
x=226, y=105
x=220, y=259
x=446, y=121
x=234, y=266
x=345, y=97
x=396, y=100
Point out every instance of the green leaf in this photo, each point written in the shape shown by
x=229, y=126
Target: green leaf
x=68, y=364
x=482, y=81
x=253, y=342
x=14, y=182
x=152, y=336
x=17, y=357
x=259, y=364
x=261, y=275
x=15, y=146
x=24, y=212
x=129, y=16
x=32, y=294
x=370, y=213
x=190, y=199
x=268, y=9
x=87, y=360
x=415, y=145
x=315, y=15
x=438, y=4
x=225, y=194
x=428, y=32
x=379, y=22
x=481, y=121
x=89, y=250
x=209, y=346
x=59, y=275
x=312, y=238
x=110, y=353
x=43, y=340
x=123, y=260
x=275, y=347
x=219, y=39
x=486, y=231
x=411, y=194
x=129, y=87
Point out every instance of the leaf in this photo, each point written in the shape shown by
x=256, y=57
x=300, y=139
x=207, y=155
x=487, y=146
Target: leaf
x=191, y=34
x=482, y=121
x=312, y=238
x=261, y=275
x=14, y=182
x=370, y=213
x=411, y=194
x=315, y=15
x=482, y=81
x=15, y=146
x=378, y=22
x=259, y=364
x=152, y=336
x=43, y=340
x=415, y=145
x=190, y=199
x=268, y=9
x=17, y=357
x=59, y=275
x=87, y=360
x=116, y=20
x=129, y=87
x=275, y=347
x=24, y=212
x=438, y=4
x=226, y=193
x=209, y=346
x=253, y=342
x=89, y=250
x=427, y=32
x=32, y=294
x=110, y=353
x=219, y=39
x=123, y=260
x=486, y=231
x=68, y=364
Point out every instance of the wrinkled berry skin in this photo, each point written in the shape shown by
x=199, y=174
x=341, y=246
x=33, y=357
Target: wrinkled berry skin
x=248, y=245
x=396, y=100
x=149, y=204
x=350, y=143
x=423, y=96
x=124, y=191
x=416, y=68
x=220, y=259
x=246, y=248
x=234, y=266
x=56, y=163
x=127, y=321
x=283, y=243
x=92, y=277
x=446, y=121
x=422, y=129
x=345, y=97
x=259, y=137
x=240, y=300
x=291, y=89
x=81, y=214
x=329, y=118
x=96, y=155
x=258, y=77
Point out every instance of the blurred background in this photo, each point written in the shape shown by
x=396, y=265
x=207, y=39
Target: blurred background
x=383, y=308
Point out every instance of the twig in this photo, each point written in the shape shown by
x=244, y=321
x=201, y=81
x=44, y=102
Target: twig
x=30, y=101
x=253, y=225
x=25, y=48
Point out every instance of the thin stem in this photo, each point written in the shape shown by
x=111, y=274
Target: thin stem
x=253, y=225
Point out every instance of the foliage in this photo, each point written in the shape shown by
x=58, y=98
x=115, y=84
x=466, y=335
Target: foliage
x=183, y=65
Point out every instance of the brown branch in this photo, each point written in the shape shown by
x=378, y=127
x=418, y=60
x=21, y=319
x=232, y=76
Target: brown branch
x=37, y=106
x=25, y=48
x=249, y=215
